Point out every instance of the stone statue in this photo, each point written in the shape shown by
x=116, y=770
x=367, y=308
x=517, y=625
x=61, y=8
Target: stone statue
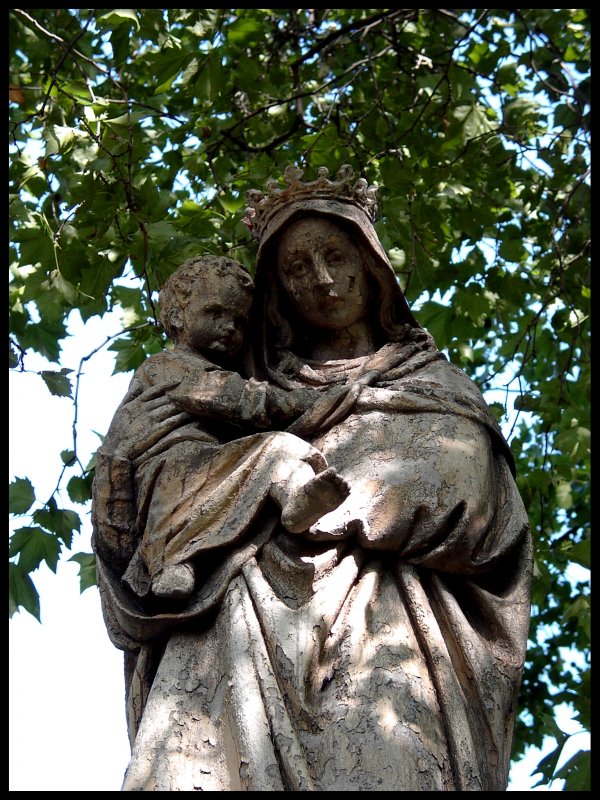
x=365, y=627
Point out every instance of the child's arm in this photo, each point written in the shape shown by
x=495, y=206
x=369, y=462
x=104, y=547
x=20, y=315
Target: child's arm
x=215, y=393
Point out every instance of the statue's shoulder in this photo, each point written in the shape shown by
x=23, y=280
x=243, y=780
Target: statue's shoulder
x=163, y=359
x=447, y=374
x=174, y=356
x=169, y=364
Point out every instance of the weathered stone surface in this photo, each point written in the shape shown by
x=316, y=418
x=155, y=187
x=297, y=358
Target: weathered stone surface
x=347, y=503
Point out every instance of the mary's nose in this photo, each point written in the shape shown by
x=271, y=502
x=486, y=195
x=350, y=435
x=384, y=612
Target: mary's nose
x=323, y=278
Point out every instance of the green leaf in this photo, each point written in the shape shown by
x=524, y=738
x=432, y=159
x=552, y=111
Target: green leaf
x=129, y=355
x=512, y=249
x=126, y=120
x=547, y=765
x=578, y=608
x=60, y=521
x=64, y=287
x=563, y=494
x=60, y=138
x=439, y=321
x=584, y=714
x=120, y=40
x=245, y=30
x=33, y=545
x=21, y=496
x=497, y=410
x=67, y=456
x=574, y=440
x=81, y=91
x=21, y=592
x=57, y=382
x=79, y=489
x=581, y=553
x=13, y=358
x=161, y=230
x=87, y=570
x=91, y=465
x=564, y=116
x=577, y=772
x=324, y=146
x=477, y=123
x=394, y=176
x=117, y=16
x=397, y=257
x=518, y=110
x=44, y=338
x=35, y=245
x=231, y=203
x=169, y=67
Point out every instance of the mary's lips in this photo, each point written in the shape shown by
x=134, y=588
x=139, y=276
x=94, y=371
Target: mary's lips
x=329, y=298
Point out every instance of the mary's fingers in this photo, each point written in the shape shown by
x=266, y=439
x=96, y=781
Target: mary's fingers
x=158, y=392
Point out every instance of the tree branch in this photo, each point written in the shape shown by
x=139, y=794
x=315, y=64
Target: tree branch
x=350, y=27
x=68, y=47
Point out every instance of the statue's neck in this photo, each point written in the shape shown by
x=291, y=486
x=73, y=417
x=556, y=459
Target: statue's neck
x=331, y=345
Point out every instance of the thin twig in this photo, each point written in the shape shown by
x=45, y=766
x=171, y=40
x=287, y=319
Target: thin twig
x=80, y=373
x=68, y=47
x=62, y=42
x=350, y=27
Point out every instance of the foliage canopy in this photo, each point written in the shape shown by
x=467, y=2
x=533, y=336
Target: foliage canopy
x=135, y=134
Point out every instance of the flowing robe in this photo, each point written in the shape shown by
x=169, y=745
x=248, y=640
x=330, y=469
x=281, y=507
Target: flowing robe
x=384, y=655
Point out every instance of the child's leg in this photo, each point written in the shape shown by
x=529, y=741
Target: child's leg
x=167, y=578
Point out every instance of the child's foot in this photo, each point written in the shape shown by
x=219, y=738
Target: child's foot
x=174, y=583
x=326, y=491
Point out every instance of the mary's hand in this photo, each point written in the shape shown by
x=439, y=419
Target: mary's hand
x=385, y=359
x=143, y=421
x=369, y=378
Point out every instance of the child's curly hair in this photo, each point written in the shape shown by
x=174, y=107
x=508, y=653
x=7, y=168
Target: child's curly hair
x=177, y=290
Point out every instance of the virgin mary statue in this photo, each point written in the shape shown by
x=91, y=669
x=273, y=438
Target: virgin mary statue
x=382, y=649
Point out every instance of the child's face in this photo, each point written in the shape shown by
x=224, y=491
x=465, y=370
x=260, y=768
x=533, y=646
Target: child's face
x=216, y=316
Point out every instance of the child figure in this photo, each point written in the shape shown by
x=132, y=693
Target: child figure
x=198, y=484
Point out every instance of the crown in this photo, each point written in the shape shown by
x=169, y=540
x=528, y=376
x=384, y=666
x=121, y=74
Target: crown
x=263, y=207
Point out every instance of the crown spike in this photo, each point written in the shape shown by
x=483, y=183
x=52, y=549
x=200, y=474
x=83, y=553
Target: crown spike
x=263, y=207
x=293, y=175
x=345, y=173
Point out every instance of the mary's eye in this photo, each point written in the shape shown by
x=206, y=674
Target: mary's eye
x=295, y=268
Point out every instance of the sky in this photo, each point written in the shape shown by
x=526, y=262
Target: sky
x=67, y=729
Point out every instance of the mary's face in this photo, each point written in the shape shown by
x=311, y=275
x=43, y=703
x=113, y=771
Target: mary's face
x=322, y=271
